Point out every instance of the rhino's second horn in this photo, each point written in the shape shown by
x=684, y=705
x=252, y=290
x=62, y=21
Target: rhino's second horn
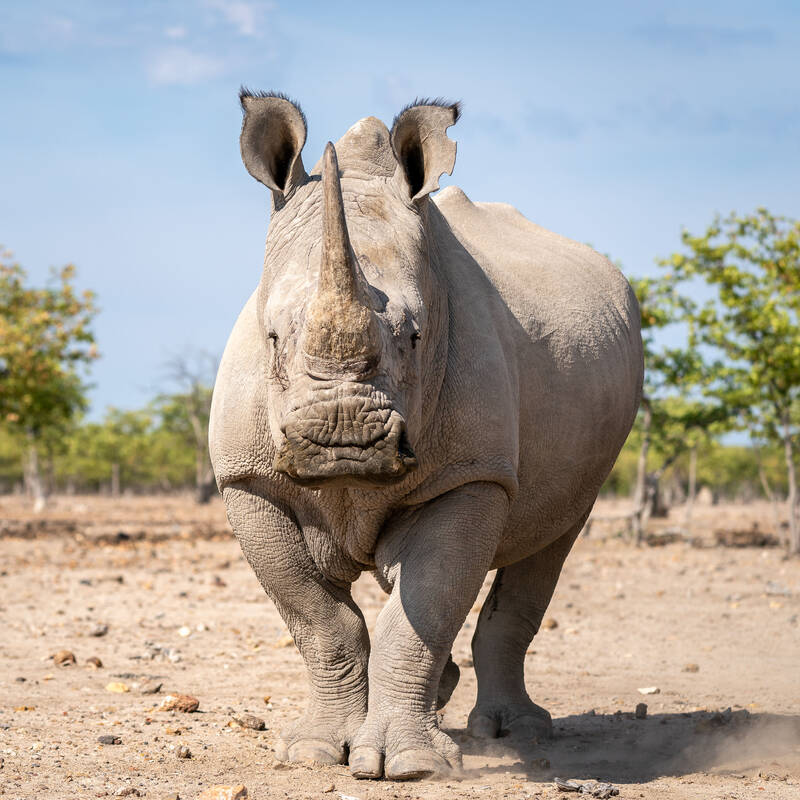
x=341, y=335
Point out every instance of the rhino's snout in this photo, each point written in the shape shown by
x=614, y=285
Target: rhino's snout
x=348, y=442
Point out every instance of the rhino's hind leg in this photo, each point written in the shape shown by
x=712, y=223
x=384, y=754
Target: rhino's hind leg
x=436, y=562
x=327, y=627
x=508, y=621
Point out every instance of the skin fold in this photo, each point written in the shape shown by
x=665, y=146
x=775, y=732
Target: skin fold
x=424, y=389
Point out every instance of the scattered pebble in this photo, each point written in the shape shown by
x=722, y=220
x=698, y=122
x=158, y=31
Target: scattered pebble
x=150, y=687
x=329, y=788
x=109, y=739
x=94, y=662
x=101, y=629
x=179, y=702
x=691, y=668
x=549, y=624
x=641, y=711
x=117, y=687
x=127, y=791
x=185, y=631
x=649, y=690
x=183, y=752
x=222, y=792
x=250, y=721
x=777, y=589
x=64, y=658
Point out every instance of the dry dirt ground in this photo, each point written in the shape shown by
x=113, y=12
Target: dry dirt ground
x=711, y=628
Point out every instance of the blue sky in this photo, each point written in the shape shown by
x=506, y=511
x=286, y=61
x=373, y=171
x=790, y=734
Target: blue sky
x=615, y=124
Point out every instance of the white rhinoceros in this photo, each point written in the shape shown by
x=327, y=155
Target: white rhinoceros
x=427, y=389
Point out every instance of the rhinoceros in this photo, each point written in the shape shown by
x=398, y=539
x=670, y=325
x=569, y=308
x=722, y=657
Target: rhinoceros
x=426, y=389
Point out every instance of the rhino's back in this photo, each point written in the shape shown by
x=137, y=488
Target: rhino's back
x=549, y=282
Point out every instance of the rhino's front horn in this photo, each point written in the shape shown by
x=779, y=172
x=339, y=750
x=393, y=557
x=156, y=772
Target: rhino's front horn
x=341, y=338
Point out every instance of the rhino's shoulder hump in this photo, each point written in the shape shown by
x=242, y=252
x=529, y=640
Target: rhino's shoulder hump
x=238, y=425
x=541, y=275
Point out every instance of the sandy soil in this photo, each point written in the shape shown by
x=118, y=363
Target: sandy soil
x=711, y=628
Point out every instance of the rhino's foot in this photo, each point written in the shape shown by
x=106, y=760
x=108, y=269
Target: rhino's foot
x=403, y=749
x=523, y=721
x=315, y=741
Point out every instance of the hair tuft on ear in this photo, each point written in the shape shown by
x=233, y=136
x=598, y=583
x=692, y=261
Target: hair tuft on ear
x=260, y=93
x=432, y=101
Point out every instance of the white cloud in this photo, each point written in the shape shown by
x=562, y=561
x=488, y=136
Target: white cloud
x=175, y=32
x=179, y=65
x=244, y=16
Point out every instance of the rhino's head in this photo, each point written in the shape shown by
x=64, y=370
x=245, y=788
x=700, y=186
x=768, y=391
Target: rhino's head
x=351, y=307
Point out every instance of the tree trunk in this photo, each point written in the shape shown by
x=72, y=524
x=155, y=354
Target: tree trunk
x=640, y=492
x=692, y=488
x=115, y=483
x=34, y=485
x=205, y=485
x=771, y=496
x=788, y=450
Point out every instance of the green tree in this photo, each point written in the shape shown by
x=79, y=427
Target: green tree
x=46, y=341
x=753, y=323
x=674, y=417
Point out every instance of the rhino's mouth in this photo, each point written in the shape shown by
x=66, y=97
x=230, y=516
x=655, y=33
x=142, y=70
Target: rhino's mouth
x=345, y=442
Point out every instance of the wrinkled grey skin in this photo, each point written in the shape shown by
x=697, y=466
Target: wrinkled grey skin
x=427, y=389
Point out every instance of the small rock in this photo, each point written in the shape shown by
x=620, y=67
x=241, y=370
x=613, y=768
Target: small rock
x=127, y=791
x=250, y=721
x=109, y=739
x=649, y=690
x=772, y=776
x=691, y=668
x=150, y=687
x=592, y=788
x=173, y=796
x=777, y=589
x=183, y=752
x=549, y=624
x=20, y=679
x=64, y=658
x=94, y=662
x=101, y=629
x=641, y=711
x=179, y=702
x=185, y=631
x=329, y=788
x=117, y=687
x=221, y=792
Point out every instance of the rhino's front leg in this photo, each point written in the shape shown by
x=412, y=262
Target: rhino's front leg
x=436, y=563
x=327, y=627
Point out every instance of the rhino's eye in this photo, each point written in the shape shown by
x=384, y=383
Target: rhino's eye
x=415, y=337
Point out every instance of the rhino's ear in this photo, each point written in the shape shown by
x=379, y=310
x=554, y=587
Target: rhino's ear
x=273, y=134
x=421, y=146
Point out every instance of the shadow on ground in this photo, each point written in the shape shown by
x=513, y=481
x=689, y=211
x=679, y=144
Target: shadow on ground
x=620, y=748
